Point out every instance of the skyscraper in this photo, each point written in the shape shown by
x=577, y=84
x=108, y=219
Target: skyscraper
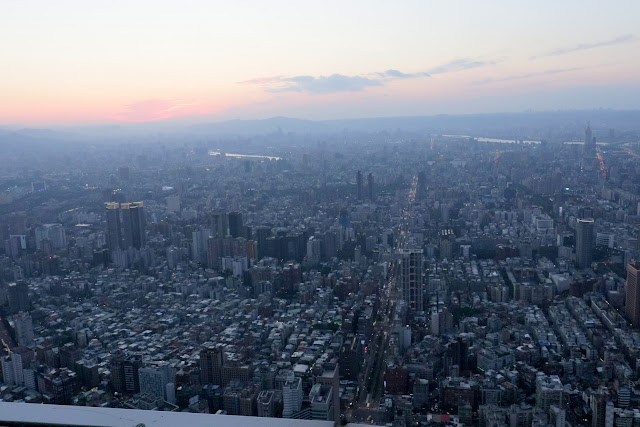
x=219, y=224
x=133, y=225
x=18, y=297
x=199, y=246
x=589, y=147
x=411, y=278
x=24, y=329
x=359, y=184
x=211, y=361
x=599, y=400
x=291, y=396
x=632, y=287
x=125, y=225
x=235, y=224
x=370, y=186
x=124, y=373
x=52, y=232
x=12, y=369
x=113, y=225
x=584, y=242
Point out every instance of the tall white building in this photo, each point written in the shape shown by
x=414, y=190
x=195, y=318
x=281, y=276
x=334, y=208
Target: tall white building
x=12, y=369
x=291, y=397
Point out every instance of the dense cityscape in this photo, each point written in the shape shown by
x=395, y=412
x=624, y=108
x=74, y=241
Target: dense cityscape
x=391, y=277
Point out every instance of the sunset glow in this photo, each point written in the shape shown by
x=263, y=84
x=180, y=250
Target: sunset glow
x=102, y=62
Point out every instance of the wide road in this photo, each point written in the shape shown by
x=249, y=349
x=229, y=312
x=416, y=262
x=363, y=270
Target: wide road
x=371, y=381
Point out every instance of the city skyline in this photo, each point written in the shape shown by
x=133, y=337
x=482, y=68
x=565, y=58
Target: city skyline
x=74, y=63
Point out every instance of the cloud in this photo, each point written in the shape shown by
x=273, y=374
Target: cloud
x=341, y=83
x=527, y=75
x=158, y=109
x=261, y=81
x=460, y=65
x=322, y=84
x=627, y=38
x=318, y=85
x=395, y=74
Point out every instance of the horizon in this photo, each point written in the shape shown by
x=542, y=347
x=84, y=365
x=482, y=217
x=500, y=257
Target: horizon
x=182, y=123
x=73, y=64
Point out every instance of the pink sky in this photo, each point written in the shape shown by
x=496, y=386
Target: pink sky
x=71, y=62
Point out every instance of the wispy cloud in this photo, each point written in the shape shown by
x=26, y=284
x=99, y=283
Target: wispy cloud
x=527, y=75
x=325, y=84
x=627, y=38
x=341, y=83
x=261, y=81
x=316, y=85
x=460, y=65
x=158, y=109
x=395, y=74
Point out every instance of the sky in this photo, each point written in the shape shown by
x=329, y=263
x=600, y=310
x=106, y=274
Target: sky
x=99, y=62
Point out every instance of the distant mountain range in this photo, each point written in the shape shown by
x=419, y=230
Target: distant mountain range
x=620, y=120
x=474, y=124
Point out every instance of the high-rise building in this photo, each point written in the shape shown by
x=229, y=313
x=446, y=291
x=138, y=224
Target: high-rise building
x=236, y=229
x=441, y=321
x=558, y=416
x=18, y=297
x=291, y=396
x=549, y=392
x=599, y=399
x=624, y=396
x=322, y=404
x=24, y=329
x=589, y=143
x=199, y=245
x=632, y=288
x=158, y=381
x=411, y=278
x=52, y=232
x=12, y=369
x=359, y=184
x=314, y=250
x=584, y=242
x=211, y=361
x=124, y=374
x=351, y=358
x=420, y=393
x=219, y=224
x=268, y=401
x=447, y=239
x=331, y=378
x=113, y=225
x=370, y=186
x=125, y=225
x=214, y=252
x=240, y=399
x=133, y=225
